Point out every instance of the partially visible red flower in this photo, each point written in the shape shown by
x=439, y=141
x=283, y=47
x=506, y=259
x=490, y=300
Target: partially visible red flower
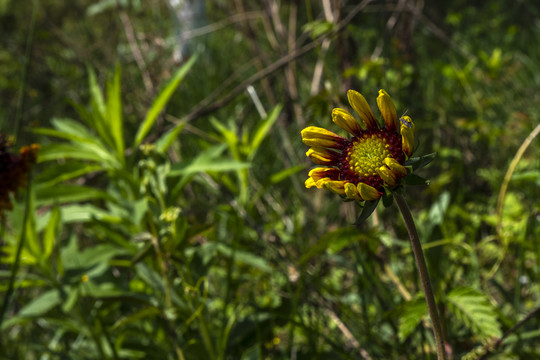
x=14, y=169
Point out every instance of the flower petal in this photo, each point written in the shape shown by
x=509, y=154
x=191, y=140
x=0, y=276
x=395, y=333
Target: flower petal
x=368, y=192
x=322, y=156
x=388, y=110
x=321, y=172
x=337, y=187
x=346, y=121
x=360, y=105
x=407, y=135
x=310, y=182
x=316, y=136
x=352, y=192
x=398, y=169
x=387, y=175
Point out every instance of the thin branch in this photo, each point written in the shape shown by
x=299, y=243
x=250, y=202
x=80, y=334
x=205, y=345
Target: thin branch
x=136, y=51
x=512, y=330
x=211, y=103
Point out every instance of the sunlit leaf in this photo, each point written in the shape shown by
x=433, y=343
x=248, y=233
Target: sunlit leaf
x=161, y=100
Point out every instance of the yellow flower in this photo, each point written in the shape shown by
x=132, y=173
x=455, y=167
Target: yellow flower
x=360, y=168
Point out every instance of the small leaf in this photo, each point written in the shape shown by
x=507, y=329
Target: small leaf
x=387, y=199
x=420, y=162
x=415, y=180
x=367, y=209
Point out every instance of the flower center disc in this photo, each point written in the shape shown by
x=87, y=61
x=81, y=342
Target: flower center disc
x=367, y=153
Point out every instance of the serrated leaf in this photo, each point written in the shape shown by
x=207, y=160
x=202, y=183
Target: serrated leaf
x=473, y=309
x=410, y=316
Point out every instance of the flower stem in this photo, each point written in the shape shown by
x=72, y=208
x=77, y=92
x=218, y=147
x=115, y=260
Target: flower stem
x=423, y=272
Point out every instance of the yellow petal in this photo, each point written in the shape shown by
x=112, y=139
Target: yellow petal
x=320, y=183
x=321, y=172
x=360, y=105
x=388, y=110
x=352, y=192
x=398, y=169
x=387, y=175
x=346, y=121
x=368, y=192
x=337, y=187
x=321, y=156
x=310, y=182
x=316, y=136
x=407, y=135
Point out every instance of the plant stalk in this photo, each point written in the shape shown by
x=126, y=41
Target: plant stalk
x=424, y=276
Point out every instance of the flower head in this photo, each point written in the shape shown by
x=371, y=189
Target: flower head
x=13, y=170
x=372, y=160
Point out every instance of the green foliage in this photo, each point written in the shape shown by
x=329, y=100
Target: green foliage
x=168, y=218
x=474, y=311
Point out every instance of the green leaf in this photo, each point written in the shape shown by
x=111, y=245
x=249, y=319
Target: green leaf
x=53, y=175
x=244, y=257
x=41, y=305
x=335, y=241
x=420, y=162
x=367, y=209
x=415, y=180
x=51, y=230
x=114, y=113
x=262, y=130
x=166, y=140
x=221, y=164
x=387, y=199
x=410, y=316
x=284, y=174
x=79, y=151
x=83, y=213
x=473, y=309
x=62, y=193
x=208, y=161
x=99, y=109
x=161, y=100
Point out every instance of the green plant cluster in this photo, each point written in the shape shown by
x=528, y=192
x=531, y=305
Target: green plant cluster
x=167, y=216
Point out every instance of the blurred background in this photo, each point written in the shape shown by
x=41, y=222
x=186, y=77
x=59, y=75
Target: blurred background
x=192, y=235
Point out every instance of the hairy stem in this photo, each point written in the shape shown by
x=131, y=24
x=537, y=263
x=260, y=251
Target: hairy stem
x=423, y=272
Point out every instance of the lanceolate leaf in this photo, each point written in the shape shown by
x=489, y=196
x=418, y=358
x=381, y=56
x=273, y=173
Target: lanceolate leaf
x=114, y=113
x=473, y=309
x=161, y=101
